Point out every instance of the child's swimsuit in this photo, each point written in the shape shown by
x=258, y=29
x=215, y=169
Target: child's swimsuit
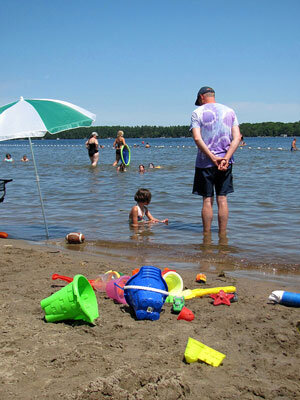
x=141, y=215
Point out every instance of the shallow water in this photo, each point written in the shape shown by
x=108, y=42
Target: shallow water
x=264, y=222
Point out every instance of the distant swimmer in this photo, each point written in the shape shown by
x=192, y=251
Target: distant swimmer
x=93, y=148
x=141, y=169
x=8, y=158
x=147, y=145
x=151, y=166
x=293, y=146
x=24, y=158
x=118, y=143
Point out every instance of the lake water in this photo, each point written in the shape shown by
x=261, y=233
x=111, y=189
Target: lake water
x=264, y=222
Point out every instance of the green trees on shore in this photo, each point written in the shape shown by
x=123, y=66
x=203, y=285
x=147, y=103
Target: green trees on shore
x=247, y=129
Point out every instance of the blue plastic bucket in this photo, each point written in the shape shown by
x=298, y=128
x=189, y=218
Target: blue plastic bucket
x=146, y=293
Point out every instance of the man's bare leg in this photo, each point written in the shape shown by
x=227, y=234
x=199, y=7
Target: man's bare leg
x=207, y=213
x=222, y=214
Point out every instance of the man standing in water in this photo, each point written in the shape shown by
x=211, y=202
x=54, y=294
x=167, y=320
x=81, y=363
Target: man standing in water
x=217, y=135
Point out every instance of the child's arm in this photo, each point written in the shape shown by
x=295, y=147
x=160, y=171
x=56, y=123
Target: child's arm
x=152, y=219
x=133, y=216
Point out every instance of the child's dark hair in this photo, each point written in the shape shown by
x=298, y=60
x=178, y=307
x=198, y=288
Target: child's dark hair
x=143, y=196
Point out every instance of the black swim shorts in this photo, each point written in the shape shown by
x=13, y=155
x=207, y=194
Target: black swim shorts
x=208, y=179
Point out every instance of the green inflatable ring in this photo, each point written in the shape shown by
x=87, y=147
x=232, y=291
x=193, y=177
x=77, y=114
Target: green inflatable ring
x=125, y=155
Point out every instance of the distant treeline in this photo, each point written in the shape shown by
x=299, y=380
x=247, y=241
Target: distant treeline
x=258, y=129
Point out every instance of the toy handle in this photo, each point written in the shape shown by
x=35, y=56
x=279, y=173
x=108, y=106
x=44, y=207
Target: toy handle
x=69, y=280
x=120, y=287
x=63, y=278
x=92, y=282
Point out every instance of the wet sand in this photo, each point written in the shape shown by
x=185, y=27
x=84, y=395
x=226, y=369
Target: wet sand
x=122, y=358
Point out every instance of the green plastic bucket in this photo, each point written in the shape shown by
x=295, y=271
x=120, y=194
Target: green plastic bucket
x=75, y=301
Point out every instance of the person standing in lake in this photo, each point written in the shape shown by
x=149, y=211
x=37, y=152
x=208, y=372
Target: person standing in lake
x=93, y=148
x=217, y=135
x=118, y=143
x=293, y=146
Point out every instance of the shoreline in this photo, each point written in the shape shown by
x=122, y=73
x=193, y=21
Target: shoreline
x=207, y=258
x=117, y=253
x=123, y=358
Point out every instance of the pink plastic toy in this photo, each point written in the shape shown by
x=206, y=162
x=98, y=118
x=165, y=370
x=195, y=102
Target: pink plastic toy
x=114, y=292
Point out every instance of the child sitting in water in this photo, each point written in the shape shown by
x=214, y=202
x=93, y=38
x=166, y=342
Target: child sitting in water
x=140, y=211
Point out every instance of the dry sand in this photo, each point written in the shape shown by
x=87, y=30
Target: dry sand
x=122, y=358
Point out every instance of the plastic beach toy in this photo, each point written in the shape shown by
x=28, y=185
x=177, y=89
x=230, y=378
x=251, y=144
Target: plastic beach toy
x=178, y=304
x=101, y=281
x=167, y=270
x=75, y=301
x=201, y=278
x=69, y=279
x=125, y=155
x=186, y=314
x=190, y=294
x=115, y=289
x=222, y=298
x=174, y=282
x=196, y=350
x=290, y=299
x=146, y=293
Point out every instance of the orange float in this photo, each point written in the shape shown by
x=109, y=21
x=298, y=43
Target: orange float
x=3, y=235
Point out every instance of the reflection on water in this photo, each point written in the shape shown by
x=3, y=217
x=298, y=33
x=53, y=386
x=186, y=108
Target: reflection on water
x=142, y=233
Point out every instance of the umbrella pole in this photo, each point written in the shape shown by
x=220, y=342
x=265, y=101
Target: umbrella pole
x=39, y=189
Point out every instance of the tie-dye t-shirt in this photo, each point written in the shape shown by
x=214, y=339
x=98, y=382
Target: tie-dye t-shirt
x=215, y=121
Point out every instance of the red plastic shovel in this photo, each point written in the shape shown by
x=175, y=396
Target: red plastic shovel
x=69, y=280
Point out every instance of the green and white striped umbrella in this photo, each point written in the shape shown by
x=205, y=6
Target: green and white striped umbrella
x=33, y=118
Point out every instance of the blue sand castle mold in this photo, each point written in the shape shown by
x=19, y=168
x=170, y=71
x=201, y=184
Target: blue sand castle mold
x=146, y=292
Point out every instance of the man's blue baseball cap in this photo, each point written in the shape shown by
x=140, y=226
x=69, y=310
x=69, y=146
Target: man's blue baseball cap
x=203, y=90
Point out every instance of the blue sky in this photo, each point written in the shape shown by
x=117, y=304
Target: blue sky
x=137, y=62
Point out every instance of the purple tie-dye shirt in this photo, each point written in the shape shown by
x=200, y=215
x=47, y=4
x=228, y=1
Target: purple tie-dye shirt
x=215, y=121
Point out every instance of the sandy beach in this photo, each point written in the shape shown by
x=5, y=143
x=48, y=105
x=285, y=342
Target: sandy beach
x=123, y=358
